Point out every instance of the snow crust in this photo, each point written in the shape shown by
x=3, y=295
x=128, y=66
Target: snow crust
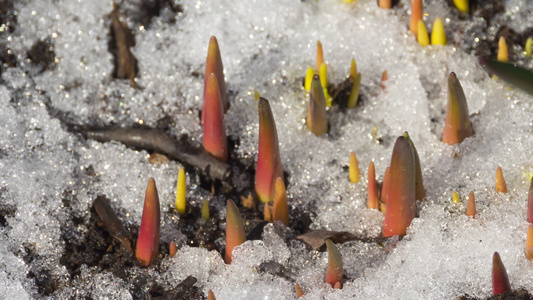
x=50, y=175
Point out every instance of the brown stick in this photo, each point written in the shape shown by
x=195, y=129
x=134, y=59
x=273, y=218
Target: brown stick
x=126, y=62
x=111, y=222
x=158, y=141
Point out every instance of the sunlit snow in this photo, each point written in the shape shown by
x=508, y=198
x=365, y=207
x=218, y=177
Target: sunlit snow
x=50, y=176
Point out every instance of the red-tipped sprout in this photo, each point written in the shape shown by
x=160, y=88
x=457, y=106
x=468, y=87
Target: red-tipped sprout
x=500, y=280
x=268, y=159
x=214, y=138
x=500, y=185
x=457, y=126
x=148, y=241
x=211, y=295
x=416, y=15
x=234, y=230
x=334, y=271
x=471, y=205
x=172, y=249
x=372, y=199
x=281, y=208
x=420, y=192
x=401, y=202
x=213, y=64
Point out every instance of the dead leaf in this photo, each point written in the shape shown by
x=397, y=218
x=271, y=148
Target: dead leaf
x=158, y=159
x=317, y=238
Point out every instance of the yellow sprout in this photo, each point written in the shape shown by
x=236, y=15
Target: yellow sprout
x=180, y=192
x=308, y=78
x=455, y=197
x=438, y=35
x=422, y=34
x=354, y=168
x=462, y=5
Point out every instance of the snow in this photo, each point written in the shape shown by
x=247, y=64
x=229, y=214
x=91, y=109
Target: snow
x=50, y=175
